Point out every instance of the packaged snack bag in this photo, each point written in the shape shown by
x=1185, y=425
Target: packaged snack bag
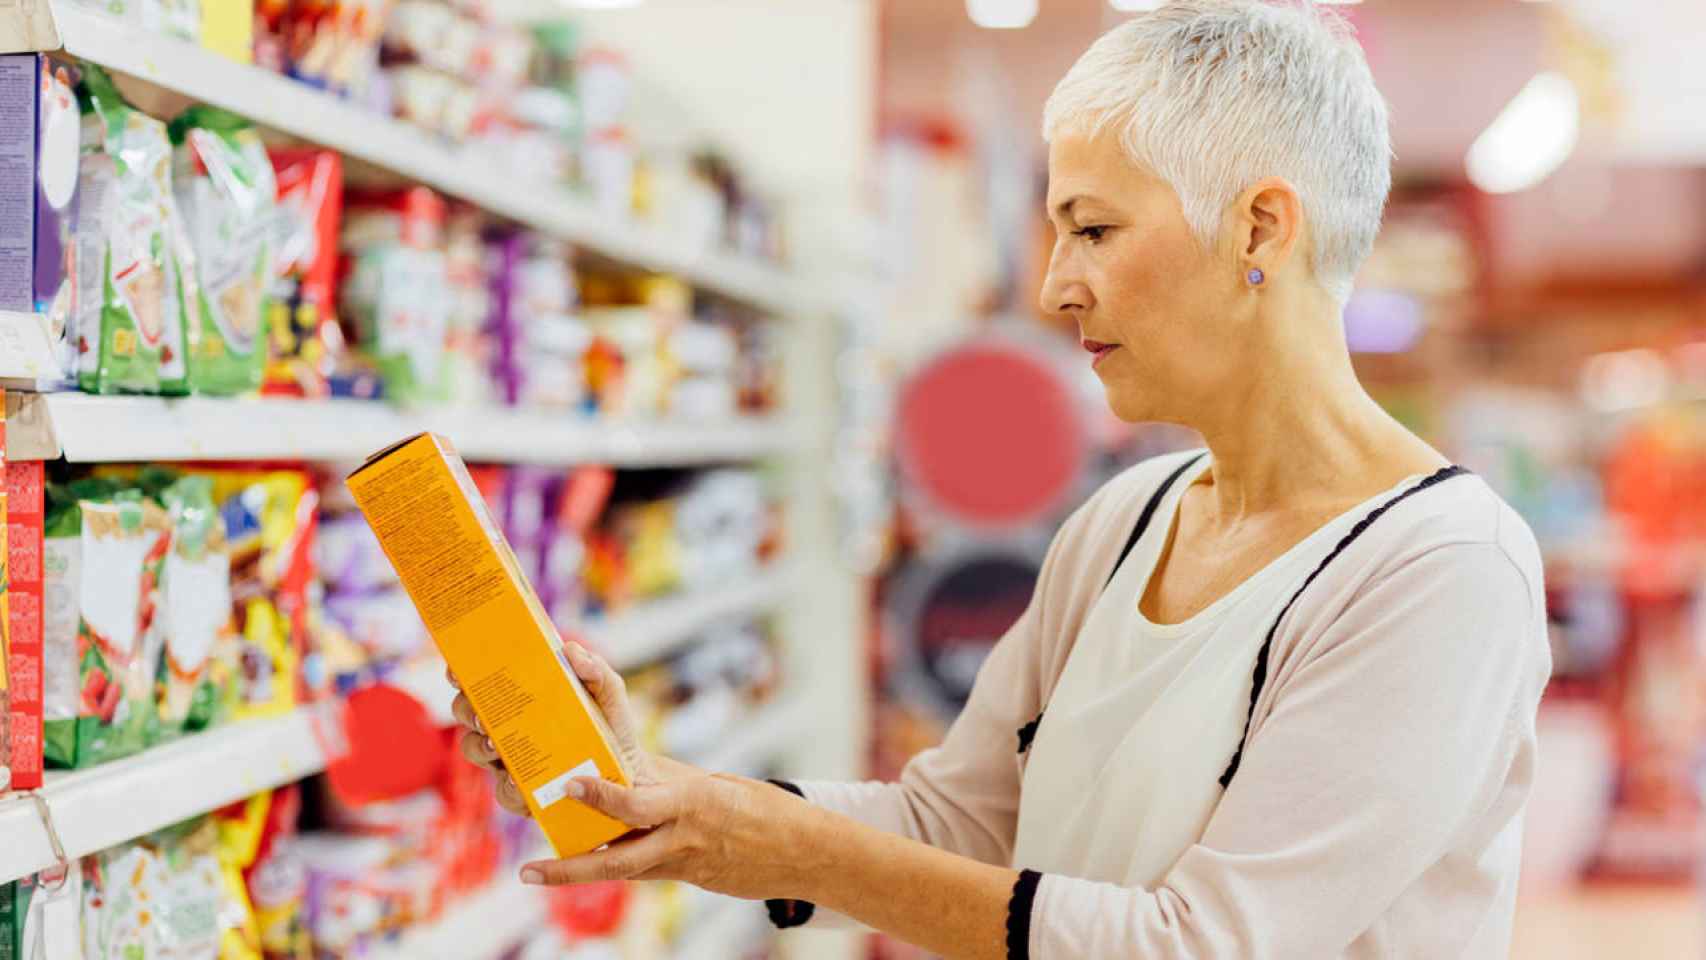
x=195, y=616
x=397, y=292
x=306, y=344
x=130, y=281
x=24, y=521
x=154, y=899
x=35, y=262
x=227, y=194
x=270, y=520
x=229, y=29
x=102, y=554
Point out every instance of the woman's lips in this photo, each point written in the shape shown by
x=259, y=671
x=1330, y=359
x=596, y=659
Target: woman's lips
x=1099, y=350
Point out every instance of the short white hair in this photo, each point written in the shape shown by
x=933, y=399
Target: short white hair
x=1214, y=95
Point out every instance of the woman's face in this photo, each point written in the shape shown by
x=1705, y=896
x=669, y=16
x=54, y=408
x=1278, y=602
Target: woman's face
x=1157, y=312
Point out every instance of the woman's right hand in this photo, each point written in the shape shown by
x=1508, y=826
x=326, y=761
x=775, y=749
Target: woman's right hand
x=610, y=693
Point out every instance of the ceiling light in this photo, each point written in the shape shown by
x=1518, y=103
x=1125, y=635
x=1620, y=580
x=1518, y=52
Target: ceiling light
x=1002, y=14
x=1530, y=139
x=1137, y=6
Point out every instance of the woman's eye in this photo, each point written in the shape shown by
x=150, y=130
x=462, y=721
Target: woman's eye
x=1092, y=234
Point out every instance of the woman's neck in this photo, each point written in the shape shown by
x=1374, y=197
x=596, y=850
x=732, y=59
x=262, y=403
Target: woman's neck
x=1303, y=434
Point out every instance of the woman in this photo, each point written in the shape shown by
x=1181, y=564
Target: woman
x=1272, y=700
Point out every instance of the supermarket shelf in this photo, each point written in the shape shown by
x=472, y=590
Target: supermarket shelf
x=724, y=931
x=295, y=109
x=650, y=631
x=85, y=428
x=96, y=808
x=483, y=926
x=655, y=630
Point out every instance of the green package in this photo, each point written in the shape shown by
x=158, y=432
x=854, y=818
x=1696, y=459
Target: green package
x=227, y=195
x=130, y=282
x=14, y=907
x=103, y=553
x=195, y=610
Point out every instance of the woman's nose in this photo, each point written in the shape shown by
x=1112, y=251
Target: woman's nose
x=1063, y=290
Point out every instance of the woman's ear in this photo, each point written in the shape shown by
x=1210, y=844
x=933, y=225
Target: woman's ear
x=1269, y=221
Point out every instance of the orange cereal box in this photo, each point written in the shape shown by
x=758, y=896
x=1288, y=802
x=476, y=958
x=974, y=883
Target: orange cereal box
x=483, y=614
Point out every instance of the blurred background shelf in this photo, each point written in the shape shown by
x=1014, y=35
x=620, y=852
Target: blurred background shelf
x=293, y=108
x=84, y=428
x=642, y=635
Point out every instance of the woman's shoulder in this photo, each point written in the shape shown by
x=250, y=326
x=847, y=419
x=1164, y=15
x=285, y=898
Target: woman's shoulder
x=1462, y=519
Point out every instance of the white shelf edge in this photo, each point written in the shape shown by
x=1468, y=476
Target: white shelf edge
x=647, y=633
x=86, y=428
x=104, y=806
x=287, y=106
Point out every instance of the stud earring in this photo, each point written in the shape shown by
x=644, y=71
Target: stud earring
x=1256, y=276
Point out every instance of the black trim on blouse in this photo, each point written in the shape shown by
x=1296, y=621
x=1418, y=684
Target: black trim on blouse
x=786, y=914
x=1260, y=678
x=1019, y=915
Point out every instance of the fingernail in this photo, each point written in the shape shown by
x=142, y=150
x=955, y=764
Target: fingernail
x=532, y=876
x=576, y=790
x=490, y=746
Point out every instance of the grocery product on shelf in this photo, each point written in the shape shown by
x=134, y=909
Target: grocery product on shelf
x=40, y=916
x=104, y=547
x=451, y=557
x=158, y=897
x=131, y=277
x=195, y=612
x=270, y=521
x=396, y=292
x=5, y=631
x=226, y=193
x=25, y=507
x=306, y=345
x=38, y=276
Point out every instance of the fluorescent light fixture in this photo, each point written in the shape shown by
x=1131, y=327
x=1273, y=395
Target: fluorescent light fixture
x=1530, y=139
x=1137, y=6
x=1002, y=14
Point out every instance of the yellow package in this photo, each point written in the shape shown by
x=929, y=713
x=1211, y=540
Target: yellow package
x=481, y=611
x=228, y=28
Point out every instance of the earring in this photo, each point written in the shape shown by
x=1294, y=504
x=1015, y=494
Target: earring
x=1256, y=276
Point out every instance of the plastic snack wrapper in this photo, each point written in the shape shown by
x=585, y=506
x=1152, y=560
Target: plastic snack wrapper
x=195, y=617
x=131, y=279
x=40, y=916
x=154, y=899
x=227, y=194
x=102, y=552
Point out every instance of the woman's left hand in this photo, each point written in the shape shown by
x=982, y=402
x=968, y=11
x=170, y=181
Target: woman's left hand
x=726, y=834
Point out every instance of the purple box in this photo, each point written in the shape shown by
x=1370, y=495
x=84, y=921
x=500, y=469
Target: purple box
x=39, y=144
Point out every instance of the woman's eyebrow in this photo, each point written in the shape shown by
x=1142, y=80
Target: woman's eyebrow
x=1063, y=209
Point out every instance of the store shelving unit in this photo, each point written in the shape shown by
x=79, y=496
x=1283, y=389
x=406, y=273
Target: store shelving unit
x=84, y=428
x=281, y=104
x=94, y=809
x=721, y=931
x=97, y=808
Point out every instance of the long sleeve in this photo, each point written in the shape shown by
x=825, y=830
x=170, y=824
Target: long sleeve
x=1401, y=737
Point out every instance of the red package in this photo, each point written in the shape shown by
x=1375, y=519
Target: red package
x=306, y=341
x=24, y=515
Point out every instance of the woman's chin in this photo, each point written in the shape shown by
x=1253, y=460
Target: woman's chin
x=1128, y=404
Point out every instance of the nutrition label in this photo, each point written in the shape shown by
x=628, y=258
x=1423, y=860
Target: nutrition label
x=440, y=557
